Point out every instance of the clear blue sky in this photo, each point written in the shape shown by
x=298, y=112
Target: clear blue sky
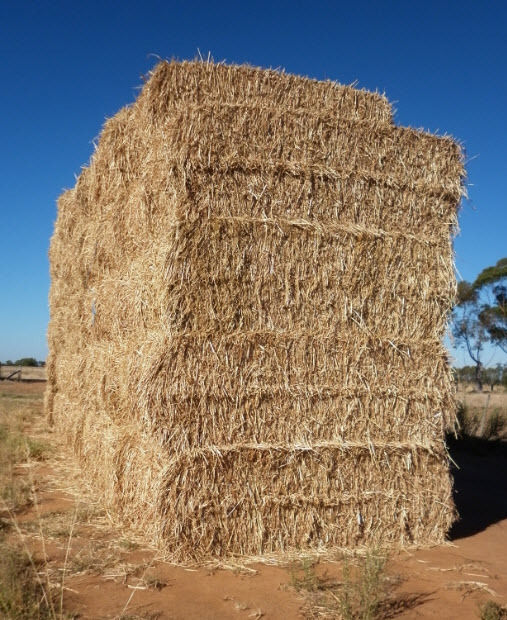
x=66, y=66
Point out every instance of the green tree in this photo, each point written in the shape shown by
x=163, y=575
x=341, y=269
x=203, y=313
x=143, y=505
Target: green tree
x=465, y=374
x=491, y=286
x=494, y=375
x=26, y=361
x=480, y=314
x=468, y=329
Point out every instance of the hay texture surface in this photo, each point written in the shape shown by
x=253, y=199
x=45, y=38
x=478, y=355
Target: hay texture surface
x=250, y=285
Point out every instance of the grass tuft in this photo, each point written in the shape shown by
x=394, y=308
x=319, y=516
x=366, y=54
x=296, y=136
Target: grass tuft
x=303, y=576
x=364, y=587
x=362, y=593
x=492, y=611
x=480, y=423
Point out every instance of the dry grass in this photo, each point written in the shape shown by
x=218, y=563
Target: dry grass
x=482, y=415
x=23, y=595
x=25, y=590
x=27, y=373
x=16, y=412
x=250, y=284
x=32, y=583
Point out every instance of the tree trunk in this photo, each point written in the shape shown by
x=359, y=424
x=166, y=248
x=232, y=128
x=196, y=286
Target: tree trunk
x=478, y=376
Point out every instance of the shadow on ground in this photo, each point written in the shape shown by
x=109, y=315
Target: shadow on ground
x=480, y=484
x=391, y=608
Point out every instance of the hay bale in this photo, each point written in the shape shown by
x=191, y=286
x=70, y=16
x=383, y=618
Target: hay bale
x=250, y=285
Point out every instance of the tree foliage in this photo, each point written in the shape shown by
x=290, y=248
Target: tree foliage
x=496, y=375
x=480, y=314
x=491, y=284
x=26, y=361
x=467, y=328
x=492, y=275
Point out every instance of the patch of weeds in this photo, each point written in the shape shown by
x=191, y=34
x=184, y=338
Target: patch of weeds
x=364, y=587
x=55, y=524
x=16, y=493
x=14, y=490
x=26, y=589
x=154, y=583
x=319, y=592
x=128, y=545
x=495, y=425
x=362, y=594
x=492, y=611
x=303, y=576
x=478, y=423
x=23, y=595
x=37, y=450
x=15, y=448
x=466, y=424
x=88, y=512
x=12, y=443
x=94, y=559
x=135, y=570
x=63, y=532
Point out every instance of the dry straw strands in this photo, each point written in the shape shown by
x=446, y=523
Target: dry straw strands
x=250, y=284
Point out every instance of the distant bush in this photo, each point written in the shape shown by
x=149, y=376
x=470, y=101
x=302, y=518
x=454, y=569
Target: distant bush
x=26, y=361
x=491, y=376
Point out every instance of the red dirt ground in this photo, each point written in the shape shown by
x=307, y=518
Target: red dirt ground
x=129, y=582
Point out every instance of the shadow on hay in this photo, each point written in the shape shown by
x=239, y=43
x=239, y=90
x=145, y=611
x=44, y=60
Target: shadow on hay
x=479, y=484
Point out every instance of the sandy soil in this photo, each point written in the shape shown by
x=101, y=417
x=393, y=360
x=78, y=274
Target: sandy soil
x=108, y=573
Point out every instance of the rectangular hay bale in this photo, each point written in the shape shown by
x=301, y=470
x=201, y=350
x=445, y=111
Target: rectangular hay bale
x=250, y=285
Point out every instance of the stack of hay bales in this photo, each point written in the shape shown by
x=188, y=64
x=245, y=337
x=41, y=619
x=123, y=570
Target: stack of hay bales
x=250, y=284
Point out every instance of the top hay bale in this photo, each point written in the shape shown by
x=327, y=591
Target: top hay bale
x=250, y=284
